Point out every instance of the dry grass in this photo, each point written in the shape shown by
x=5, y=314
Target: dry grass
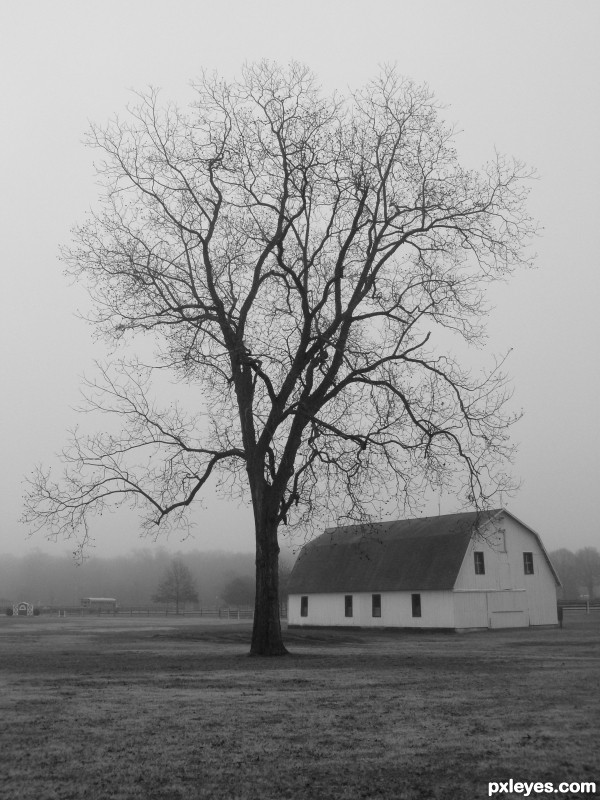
x=128, y=709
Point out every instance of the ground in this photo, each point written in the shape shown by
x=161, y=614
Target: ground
x=170, y=709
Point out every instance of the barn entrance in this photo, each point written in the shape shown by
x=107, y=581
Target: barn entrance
x=508, y=610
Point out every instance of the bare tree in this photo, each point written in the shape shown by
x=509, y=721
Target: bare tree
x=177, y=586
x=299, y=259
x=578, y=572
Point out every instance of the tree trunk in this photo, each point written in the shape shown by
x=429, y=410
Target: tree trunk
x=266, y=633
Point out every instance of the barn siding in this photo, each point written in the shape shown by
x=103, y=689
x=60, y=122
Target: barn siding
x=437, y=610
x=541, y=593
x=496, y=609
x=470, y=610
x=503, y=546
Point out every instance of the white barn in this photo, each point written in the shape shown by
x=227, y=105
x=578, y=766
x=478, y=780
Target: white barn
x=457, y=571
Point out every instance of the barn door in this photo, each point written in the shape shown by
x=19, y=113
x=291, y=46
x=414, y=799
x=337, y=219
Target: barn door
x=508, y=609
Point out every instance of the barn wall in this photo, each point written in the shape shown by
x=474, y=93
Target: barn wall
x=497, y=609
x=471, y=610
x=532, y=597
x=437, y=610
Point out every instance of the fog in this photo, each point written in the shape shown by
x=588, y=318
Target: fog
x=518, y=77
x=44, y=579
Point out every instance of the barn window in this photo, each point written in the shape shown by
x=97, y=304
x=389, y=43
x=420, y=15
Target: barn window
x=348, y=605
x=376, y=604
x=479, y=563
x=416, y=605
x=304, y=606
x=528, y=563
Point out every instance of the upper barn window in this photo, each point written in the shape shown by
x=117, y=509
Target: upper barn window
x=528, y=563
x=479, y=563
x=304, y=606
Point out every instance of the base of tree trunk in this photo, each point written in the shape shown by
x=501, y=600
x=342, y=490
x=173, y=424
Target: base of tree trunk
x=266, y=632
x=267, y=643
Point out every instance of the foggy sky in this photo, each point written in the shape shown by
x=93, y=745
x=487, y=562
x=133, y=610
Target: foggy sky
x=519, y=77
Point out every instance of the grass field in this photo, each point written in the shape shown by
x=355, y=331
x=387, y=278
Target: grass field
x=131, y=709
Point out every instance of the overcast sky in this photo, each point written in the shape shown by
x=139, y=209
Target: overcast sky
x=521, y=77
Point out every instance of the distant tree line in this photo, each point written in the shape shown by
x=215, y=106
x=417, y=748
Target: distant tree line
x=136, y=579
x=218, y=578
x=579, y=572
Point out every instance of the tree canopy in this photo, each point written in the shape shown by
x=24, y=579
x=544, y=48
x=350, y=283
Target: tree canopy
x=579, y=572
x=177, y=586
x=301, y=259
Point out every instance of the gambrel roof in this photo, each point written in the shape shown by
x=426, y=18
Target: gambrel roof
x=407, y=555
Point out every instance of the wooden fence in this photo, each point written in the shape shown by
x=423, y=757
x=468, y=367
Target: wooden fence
x=584, y=605
x=224, y=612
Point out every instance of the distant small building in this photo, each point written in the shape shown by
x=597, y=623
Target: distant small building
x=99, y=604
x=23, y=609
x=457, y=571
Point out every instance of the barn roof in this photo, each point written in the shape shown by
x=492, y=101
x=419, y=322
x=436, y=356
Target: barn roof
x=406, y=555
x=101, y=599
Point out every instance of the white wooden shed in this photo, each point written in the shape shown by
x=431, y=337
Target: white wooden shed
x=457, y=571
